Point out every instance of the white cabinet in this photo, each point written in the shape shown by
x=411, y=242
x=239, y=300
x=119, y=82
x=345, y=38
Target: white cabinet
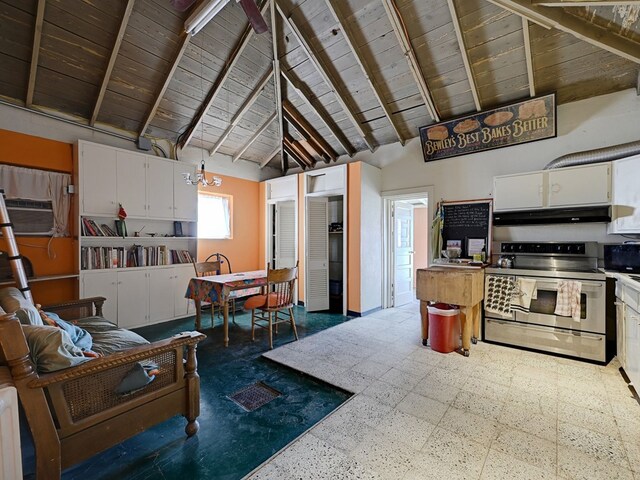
x=518, y=192
x=131, y=171
x=133, y=298
x=621, y=334
x=160, y=189
x=98, y=179
x=576, y=186
x=161, y=305
x=579, y=186
x=626, y=196
x=632, y=345
x=102, y=283
x=183, y=306
x=185, y=197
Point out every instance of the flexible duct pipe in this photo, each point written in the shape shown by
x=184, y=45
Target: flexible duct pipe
x=15, y=260
x=595, y=156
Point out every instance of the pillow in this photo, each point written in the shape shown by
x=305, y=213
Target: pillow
x=29, y=315
x=51, y=348
x=108, y=338
x=11, y=299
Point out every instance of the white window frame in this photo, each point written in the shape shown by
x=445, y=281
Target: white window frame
x=204, y=220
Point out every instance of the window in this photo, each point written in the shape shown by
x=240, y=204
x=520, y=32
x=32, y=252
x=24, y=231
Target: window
x=214, y=216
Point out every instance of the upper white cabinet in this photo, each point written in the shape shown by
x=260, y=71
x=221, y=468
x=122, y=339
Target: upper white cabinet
x=564, y=187
x=185, y=196
x=159, y=188
x=518, y=192
x=131, y=171
x=584, y=185
x=626, y=196
x=98, y=179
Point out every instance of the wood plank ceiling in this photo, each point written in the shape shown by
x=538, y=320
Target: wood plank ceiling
x=355, y=74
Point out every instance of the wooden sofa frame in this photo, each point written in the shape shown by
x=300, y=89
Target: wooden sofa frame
x=74, y=413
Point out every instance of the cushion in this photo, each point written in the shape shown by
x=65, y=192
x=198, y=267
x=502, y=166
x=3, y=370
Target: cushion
x=108, y=338
x=260, y=301
x=29, y=315
x=51, y=348
x=11, y=299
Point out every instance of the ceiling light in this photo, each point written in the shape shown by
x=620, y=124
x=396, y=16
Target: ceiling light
x=201, y=178
x=203, y=15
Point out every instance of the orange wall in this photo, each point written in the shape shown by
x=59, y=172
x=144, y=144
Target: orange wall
x=420, y=235
x=262, y=254
x=35, y=152
x=244, y=249
x=354, y=194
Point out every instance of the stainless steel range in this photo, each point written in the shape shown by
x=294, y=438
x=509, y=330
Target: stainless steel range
x=546, y=268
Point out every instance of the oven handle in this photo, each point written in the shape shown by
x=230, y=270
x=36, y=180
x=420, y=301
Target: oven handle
x=554, y=284
x=547, y=329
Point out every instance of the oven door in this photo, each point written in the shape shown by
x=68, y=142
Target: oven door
x=592, y=306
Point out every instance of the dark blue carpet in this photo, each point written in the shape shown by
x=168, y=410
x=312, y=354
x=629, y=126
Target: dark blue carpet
x=231, y=442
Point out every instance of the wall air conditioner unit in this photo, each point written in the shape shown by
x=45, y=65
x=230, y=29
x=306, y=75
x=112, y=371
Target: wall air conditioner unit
x=30, y=217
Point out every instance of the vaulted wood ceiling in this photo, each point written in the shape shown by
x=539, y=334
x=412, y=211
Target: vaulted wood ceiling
x=344, y=73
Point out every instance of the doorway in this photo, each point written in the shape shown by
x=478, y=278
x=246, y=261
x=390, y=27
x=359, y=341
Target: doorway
x=406, y=248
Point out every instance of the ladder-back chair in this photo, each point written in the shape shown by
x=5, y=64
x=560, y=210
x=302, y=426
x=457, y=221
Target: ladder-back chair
x=205, y=269
x=276, y=306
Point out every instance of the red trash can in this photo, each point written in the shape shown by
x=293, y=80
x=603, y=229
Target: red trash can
x=444, y=327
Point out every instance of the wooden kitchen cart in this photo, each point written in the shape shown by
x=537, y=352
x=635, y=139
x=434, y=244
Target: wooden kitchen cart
x=457, y=286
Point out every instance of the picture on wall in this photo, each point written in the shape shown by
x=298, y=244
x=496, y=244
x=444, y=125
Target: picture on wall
x=522, y=122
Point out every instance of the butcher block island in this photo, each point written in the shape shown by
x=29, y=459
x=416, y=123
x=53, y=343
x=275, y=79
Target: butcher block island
x=457, y=286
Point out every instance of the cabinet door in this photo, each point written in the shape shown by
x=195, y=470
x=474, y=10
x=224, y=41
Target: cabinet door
x=98, y=180
x=133, y=298
x=620, y=333
x=285, y=239
x=183, y=306
x=317, y=261
x=626, y=196
x=632, y=345
x=518, y=192
x=102, y=284
x=185, y=197
x=131, y=183
x=161, y=297
x=160, y=189
x=588, y=185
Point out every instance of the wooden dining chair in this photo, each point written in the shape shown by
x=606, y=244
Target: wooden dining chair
x=276, y=305
x=205, y=269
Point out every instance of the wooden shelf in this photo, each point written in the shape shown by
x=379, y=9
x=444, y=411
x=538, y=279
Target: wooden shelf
x=43, y=278
x=136, y=268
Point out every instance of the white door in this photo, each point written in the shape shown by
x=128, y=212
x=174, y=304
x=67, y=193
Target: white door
x=182, y=306
x=133, y=298
x=98, y=180
x=518, y=192
x=403, y=254
x=317, y=255
x=285, y=238
x=160, y=189
x=587, y=185
x=131, y=171
x=161, y=298
x=185, y=197
x=626, y=196
x=102, y=284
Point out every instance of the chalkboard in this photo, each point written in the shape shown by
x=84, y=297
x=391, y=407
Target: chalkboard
x=467, y=220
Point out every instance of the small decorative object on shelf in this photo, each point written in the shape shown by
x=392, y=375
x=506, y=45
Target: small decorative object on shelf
x=177, y=229
x=122, y=214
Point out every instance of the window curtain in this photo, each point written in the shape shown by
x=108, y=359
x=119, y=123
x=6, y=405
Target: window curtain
x=43, y=186
x=214, y=219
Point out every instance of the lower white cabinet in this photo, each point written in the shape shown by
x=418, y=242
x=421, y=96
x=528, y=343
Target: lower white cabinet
x=632, y=345
x=621, y=334
x=140, y=296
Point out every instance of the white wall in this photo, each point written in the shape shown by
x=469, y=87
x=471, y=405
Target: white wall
x=20, y=120
x=370, y=238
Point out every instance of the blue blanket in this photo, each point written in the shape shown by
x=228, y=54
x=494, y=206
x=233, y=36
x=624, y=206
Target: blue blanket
x=79, y=336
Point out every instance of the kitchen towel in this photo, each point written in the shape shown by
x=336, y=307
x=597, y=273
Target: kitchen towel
x=568, y=299
x=497, y=294
x=524, y=291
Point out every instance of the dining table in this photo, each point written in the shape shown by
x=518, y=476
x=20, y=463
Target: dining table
x=220, y=290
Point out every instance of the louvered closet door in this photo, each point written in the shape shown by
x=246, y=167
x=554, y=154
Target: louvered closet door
x=285, y=234
x=317, y=269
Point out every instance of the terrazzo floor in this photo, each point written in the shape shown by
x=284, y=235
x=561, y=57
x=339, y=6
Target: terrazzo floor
x=417, y=414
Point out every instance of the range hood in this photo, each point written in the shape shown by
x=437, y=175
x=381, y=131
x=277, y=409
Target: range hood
x=548, y=216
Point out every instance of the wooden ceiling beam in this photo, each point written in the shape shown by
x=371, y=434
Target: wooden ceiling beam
x=405, y=43
x=299, y=150
x=277, y=84
x=307, y=131
x=326, y=77
x=184, y=43
x=586, y=31
x=465, y=54
x=366, y=69
x=289, y=151
x=35, y=52
x=112, y=61
x=231, y=62
x=584, y=3
x=306, y=97
x=310, y=141
x=271, y=156
x=529, y=57
x=255, y=136
x=246, y=106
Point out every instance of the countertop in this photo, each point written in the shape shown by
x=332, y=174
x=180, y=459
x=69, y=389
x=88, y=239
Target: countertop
x=624, y=278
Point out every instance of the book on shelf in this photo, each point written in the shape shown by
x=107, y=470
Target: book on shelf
x=98, y=258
